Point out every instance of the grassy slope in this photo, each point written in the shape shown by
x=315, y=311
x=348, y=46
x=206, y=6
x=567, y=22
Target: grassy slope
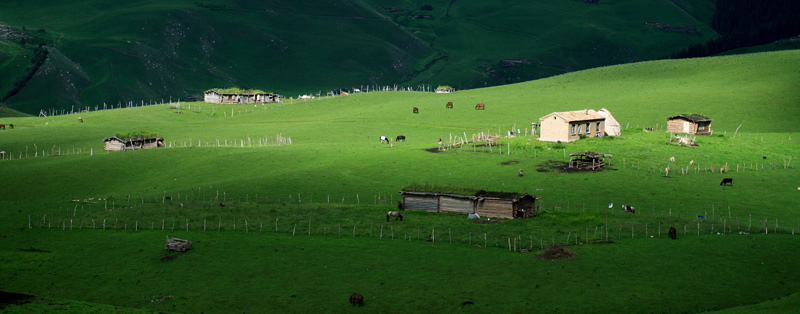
x=335, y=152
x=108, y=52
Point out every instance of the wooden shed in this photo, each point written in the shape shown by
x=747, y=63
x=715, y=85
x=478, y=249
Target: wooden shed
x=115, y=143
x=505, y=205
x=689, y=124
x=489, y=204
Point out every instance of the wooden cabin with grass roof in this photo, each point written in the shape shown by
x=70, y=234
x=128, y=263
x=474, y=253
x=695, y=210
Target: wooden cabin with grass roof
x=689, y=124
x=132, y=142
x=484, y=203
x=239, y=96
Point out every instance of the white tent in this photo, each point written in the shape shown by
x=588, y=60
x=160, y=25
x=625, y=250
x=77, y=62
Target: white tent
x=612, y=126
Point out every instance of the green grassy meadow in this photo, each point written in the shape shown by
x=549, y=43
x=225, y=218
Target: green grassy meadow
x=304, y=223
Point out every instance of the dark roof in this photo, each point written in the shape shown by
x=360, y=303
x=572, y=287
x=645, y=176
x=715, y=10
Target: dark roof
x=502, y=195
x=691, y=117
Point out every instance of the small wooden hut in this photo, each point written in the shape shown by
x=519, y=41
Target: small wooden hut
x=587, y=160
x=689, y=124
x=505, y=205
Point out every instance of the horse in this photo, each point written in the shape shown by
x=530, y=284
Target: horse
x=221, y=204
x=11, y=125
x=384, y=139
x=673, y=234
x=396, y=215
x=727, y=180
x=480, y=106
x=2, y=126
x=449, y=105
x=80, y=119
x=520, y=172
x=416, y=110
x=400, y=138
x=629, y=209
x=357, y=299
x=399, y=205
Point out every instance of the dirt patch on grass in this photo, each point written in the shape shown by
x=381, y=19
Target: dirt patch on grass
x=169, y=258
x=556, y=252
x=434, y=150
x=563, y=166
x=509, y=162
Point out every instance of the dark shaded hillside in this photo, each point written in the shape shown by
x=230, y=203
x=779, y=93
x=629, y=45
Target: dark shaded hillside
x=102, y=51
x=744, y=23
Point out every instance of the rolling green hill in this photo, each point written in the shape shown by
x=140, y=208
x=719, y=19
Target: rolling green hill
x=307, y=185
x=105, y=52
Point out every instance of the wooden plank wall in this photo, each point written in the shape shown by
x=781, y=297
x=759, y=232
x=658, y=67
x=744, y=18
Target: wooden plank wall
x=496, y=208
x=426, y=202
x=449, y=204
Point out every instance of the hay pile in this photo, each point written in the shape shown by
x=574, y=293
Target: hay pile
x=555, y=252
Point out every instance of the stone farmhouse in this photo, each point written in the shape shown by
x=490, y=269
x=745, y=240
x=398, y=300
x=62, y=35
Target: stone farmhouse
x=237, y=96
x=569, y=126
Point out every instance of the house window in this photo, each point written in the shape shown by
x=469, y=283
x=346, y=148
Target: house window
x=572, y=127
x=597, y=128
x=588, y=129
x=701, y=127
x=579, y=128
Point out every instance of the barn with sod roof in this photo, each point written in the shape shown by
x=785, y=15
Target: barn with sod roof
x=238, y=96
x=569, y=126
x=484, y=203
x=116, y=143
x=689, y=124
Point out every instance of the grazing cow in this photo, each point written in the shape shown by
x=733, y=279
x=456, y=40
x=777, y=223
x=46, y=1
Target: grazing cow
x=384, y=139
x=357, y=299
x=673, y=233
x=449, y=105
x=400, y=138
x=520, y=172
x=416, y=110
x=765, y=157
x=396, y=215
x=480, y=107
x=2, y=126
x=629, y=209
x=221, y=204
x=80, y=119
x=729, y=181
x=11, y=125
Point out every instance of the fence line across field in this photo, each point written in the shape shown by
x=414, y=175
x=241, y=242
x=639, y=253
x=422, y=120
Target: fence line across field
x=575, y=236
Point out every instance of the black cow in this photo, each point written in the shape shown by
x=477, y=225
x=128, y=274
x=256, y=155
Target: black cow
x=400, y=138
x=727, y=180
x=673, y=233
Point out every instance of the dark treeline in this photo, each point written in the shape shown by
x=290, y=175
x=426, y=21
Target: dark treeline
x=39, y=56
x=743, y=23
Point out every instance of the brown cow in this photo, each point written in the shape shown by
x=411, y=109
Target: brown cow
x=356, y=298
